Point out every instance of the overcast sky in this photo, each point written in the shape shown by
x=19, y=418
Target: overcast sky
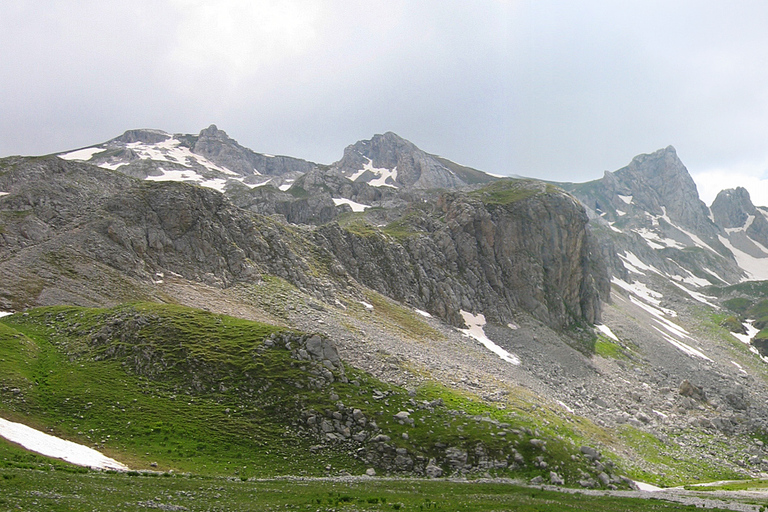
x=560, y=90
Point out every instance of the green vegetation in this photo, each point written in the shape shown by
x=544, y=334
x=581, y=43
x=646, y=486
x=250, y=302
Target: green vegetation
x=60, y=491
x=508, y=191
x=738, y=305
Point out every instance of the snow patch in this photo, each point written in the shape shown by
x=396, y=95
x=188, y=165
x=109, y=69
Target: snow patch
x=562, y=404
x=366, y=305
x=647, y=487
x=170, y=151
x=4, y=194
x=81, y=154
x=751, y=333
x=620, y=213
x=696, y=295
x=639, y=289
x=285, y=186
x=512, y=326
x=382, y=175
x=356, y=207
x=607, y=331
x=656, y=241
x=756, y=268
x=476, y=324
x=737, y=365
x=52, y=446
x=626, y=199
x=634, y=264
x=5, y=313
x=423, y=313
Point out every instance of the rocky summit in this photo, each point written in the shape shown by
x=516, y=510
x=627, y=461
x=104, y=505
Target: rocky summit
x=391, y=313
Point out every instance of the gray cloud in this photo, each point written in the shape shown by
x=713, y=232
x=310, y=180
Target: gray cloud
x=551, y=89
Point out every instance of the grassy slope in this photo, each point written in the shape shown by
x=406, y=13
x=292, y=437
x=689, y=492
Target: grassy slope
x=197, y=392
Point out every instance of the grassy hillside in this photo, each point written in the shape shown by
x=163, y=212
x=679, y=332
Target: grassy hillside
x=170, y=388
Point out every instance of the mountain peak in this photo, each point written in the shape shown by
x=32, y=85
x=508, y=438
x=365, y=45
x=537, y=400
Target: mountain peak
x=732, y=207
x=213, y=132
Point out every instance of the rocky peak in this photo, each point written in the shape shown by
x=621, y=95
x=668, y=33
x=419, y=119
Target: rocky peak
x=390, y=160
x=659, y=180
x=144, y=136
x=214, y=133
x=732, y=207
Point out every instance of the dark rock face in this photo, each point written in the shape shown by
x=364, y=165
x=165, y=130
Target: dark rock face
x=535, y=254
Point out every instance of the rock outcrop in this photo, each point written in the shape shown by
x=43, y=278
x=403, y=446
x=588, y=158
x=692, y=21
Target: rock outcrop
x=534, y=254
x=390, y=160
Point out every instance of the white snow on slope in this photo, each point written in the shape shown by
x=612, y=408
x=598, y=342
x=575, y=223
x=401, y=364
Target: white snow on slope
x=81, y=154
x=756, y=268
x=5, y=313
x=423, y=313
x=381, y=173
x=656, y=241
x=626, y=199
x=607, y=331
x=170, y=151
x=751, y=332
x=52, y=446
x=356, y=207
x=696, y=295
x=639, y=289
x=3, y=194
x=189, y=176
x=476, y=324
x=634, y=264
x=750, y=220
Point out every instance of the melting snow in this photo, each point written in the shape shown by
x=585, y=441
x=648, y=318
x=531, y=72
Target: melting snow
x=756, y=268
x=737, y=365
x=647, y=487
x=712, y=273
x=81, y=154
x=635, y=264
x=746, y=338
x=170, y=151
x=656, y=241
x=52, y=446
x=382, y=174
x=423, y=313
x=639, y=289
x=607, y=331
x=356, y=207
x=476, y=324
x=5, y=313
x=285, y=186
x=696, y=295
x=366, y=305
x=620, y=213
x=626, y=199
x=562, y=404
x=750, y=220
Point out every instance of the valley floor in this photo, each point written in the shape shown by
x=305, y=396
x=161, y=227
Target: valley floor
x=62, y=490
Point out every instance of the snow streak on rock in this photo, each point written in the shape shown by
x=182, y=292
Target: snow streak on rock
x=476, y=324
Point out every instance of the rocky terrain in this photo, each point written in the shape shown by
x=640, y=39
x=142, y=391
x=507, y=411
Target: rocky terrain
x=624, y=307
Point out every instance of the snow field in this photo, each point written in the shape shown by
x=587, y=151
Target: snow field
x=52, y=446
x=476, y=324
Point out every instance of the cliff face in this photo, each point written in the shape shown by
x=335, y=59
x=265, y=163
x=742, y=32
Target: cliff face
x=533, y=254
x=512, y=246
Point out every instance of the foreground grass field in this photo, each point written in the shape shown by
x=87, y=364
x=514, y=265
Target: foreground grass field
x=55, y=490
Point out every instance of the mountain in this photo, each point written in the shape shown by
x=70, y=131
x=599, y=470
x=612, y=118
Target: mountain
x=564, y=333
x=211, y=159
x=391, y=161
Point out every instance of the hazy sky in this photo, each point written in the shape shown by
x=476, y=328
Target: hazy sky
x=559, y=90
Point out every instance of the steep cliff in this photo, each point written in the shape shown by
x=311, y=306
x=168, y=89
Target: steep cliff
x=515, y=245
